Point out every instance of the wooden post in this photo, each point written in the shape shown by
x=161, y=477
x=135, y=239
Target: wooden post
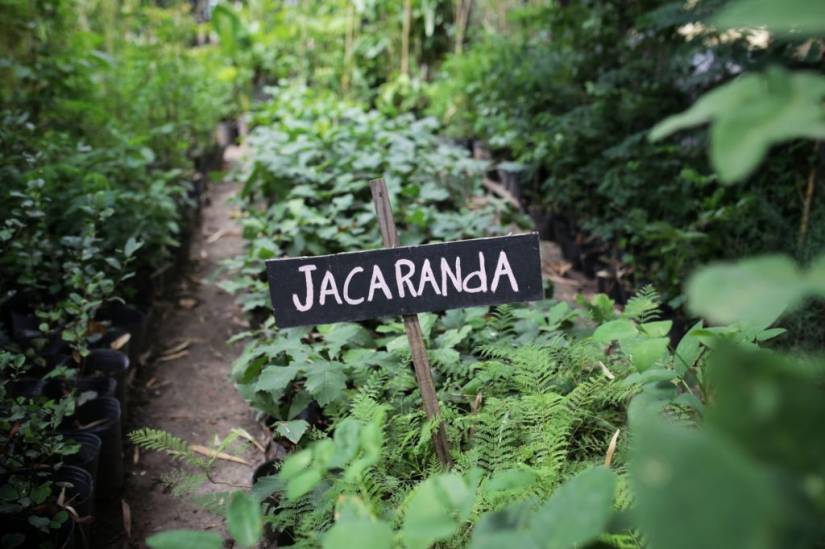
x=386, y=223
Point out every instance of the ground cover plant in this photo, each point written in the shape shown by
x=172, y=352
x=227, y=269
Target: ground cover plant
x=568, y=427
x=648, y=137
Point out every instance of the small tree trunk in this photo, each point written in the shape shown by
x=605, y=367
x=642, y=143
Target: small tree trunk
x=461, y=20
x=405, y=38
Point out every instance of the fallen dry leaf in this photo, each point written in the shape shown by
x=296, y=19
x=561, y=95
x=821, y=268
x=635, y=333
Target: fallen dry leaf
x=611, y=448
x=173, y=356
x=187, y=303
x=177, y=347
x=209, y=452
x=606, y=372
x=118, y=343
x=127, y=517
x=214, y=237
x=243, y=433
x=136, y=455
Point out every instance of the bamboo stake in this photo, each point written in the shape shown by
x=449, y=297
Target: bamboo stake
x=806, y=203
x=405, y=38
x=423, y=374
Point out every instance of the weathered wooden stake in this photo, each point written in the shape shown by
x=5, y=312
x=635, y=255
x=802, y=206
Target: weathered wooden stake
x=386, y=222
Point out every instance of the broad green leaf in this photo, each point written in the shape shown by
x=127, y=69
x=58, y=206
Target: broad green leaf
x=688, y=350
x=816, y=276
x=359, y=532
x=337, y=336
x=346, y=439
x=292, y=430
x=506, y=528
x=326, y=381
x=644, y=352
x=243, y=519
x=615, y=329
x=577, y=512
x=303, y=483
x=436, y=510
x=754, y=291
x=276, y=378
x=660, y=328
x=295, y=463
x=752, y=113
x=787, y=16
x=510, y=479
x=694, y=489
x=185, y=539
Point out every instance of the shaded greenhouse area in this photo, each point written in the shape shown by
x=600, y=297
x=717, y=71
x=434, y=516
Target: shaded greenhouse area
x=627, y=353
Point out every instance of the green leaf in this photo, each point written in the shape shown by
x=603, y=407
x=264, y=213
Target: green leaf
x=359, y=532
x=615, y=329
x=295, y=463
x=688, y=350
x=292, y=430
x=577, y=512
x=185, y=539
x=436, y=510
x=337, y=336
x=510, y=479
x=755, y=291
x=276, y=378
x=132, y=245
x=326, y=381
x=660, y=328
x=243, y=519
x=303, y=483
x=694, y=489
x=644, y=352
x=788, y=16
x=752, y=113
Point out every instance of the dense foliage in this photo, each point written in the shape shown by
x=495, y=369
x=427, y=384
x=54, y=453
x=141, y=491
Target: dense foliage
x=105, y=109
x=602, y=424
x=571, y=93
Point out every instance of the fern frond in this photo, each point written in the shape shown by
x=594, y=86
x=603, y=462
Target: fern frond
x=161, y=441
x=644, y=306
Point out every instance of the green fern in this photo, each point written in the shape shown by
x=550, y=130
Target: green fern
x=644, y=306
x=161, y=441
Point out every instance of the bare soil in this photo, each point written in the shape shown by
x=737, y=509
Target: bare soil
x=185, y=388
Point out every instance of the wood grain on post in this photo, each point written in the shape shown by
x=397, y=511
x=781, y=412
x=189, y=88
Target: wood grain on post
x=423, y=374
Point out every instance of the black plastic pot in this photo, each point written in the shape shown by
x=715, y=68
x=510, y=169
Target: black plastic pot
x=63, y=538
x=80, y=496
x=114, y=364
x=106, y=340
x=88, y=458
x=80, y=488
x=58, y=388
x=131, y=320
x=101, y=417
x=25, y=387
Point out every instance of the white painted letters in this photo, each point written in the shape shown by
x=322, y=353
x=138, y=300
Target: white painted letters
x=503, y=268
x=377, y=282
x=347, y=298
x=404, y=278
x=328, y=287
x=454, y=276
x=306, y=269
x=482, y=277
x=427, y=275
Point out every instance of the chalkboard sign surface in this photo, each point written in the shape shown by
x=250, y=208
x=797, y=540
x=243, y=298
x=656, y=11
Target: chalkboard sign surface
x=405, y=280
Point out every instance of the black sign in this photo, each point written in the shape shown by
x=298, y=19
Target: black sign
x=405, y=280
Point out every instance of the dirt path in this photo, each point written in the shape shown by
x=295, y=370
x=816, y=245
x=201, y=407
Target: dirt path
x=185, y=389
